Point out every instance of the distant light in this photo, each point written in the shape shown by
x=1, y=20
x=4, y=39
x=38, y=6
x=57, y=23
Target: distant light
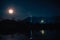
x=30, y=37
x=11, y=11
x=42, y=21
x=42, y=31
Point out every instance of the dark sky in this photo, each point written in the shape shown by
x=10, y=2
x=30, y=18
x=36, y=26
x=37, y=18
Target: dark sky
x=37, y=8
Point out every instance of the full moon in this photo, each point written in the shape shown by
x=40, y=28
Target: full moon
x=11, y=11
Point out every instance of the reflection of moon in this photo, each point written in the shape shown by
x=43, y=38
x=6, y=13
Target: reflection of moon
x=11, y=11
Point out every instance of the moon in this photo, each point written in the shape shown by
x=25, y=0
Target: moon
x=11, y=11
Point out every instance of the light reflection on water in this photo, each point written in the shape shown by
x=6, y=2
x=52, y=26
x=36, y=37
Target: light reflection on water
x=13, y=37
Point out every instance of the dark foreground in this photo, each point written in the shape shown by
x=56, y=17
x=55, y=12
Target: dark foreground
x=22, y=30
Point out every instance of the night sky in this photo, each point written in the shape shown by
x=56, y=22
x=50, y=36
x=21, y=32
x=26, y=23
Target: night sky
x=36, y=8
